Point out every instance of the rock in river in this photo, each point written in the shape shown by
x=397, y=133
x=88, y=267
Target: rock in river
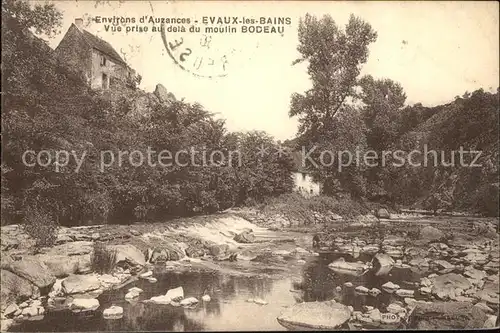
x=162, y=299
x=60, y=265
x=114, y=312
x=314, y=315
x=128, y=254
x=6, y=324
x=405, y=293
x=77, y=284
x=473, y=273
x=14, y=288
x=245, y=237
x=444, y=286
x=33, y=270
x=446, y=315
x=443, y=266
x=340, y=266
x=189, y=301
x=84, y=304
x=362, y=290
x=133, y=293
x=219, y=249
x=382, y=264
x=390, y=287
x=490, y=293
x=175, y=294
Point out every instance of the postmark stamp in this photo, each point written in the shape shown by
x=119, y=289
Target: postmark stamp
x=196, y=53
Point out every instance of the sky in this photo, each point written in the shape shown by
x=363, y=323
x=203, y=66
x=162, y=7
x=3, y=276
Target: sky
x=435, y=50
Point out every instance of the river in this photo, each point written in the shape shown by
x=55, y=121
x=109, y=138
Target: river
x=231, y=306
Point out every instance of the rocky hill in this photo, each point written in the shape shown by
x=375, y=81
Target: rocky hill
x=470, y=122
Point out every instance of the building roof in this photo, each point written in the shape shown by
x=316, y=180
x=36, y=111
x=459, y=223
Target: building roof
x=103, y=46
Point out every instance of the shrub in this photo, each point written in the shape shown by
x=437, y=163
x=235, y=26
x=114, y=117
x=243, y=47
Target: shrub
x=296, y=207
x=40, y=225
x=102, y=259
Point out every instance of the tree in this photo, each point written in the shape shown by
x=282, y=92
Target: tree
x=48, y=106
x=326, y=119
x=334, y=56
x=43, y=18
x=383, y=101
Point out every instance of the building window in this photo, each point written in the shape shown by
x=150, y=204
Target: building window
x=103, y=60
x=105, y=83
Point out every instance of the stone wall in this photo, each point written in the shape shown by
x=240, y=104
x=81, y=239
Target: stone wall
x=116, y=73
x=74, y=51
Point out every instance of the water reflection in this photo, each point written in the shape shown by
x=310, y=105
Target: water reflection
x=229, y=309
x=321, y=284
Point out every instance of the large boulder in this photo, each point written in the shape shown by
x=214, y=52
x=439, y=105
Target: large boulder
x=446, y=315
x=431, y=234
x=314, y=315
x=61, y=266
x=490, y=293
x=15, y=288
x=128, y=255
x=78, y=284
x=84, y=264
x=245, y=237
x=162, y=94
x=445, y=286
x=33, y=270
x=219, y=249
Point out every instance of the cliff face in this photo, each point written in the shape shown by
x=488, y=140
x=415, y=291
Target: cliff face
x=471, y=124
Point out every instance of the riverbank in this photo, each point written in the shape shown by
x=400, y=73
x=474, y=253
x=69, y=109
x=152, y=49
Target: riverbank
x=241, y=244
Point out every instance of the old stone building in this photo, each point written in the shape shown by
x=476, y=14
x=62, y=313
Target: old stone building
x=102, y=66
x=303, y=180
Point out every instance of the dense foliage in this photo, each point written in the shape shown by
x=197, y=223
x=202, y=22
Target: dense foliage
x=367, y=117
x=48, y=106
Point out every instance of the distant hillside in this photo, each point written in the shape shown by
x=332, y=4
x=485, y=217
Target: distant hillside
x=472, y=123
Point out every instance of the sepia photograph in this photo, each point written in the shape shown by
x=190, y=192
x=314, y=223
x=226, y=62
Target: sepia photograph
x=186, y=166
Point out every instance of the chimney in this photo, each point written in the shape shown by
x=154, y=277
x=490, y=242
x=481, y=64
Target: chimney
x=79, y=23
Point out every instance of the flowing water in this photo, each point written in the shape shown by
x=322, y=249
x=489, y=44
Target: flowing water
x=229, y=308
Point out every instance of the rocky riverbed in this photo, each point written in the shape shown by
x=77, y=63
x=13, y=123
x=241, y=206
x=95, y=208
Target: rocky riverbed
x=405, y=272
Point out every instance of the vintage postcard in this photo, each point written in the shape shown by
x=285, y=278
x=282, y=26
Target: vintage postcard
x=249, y=165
